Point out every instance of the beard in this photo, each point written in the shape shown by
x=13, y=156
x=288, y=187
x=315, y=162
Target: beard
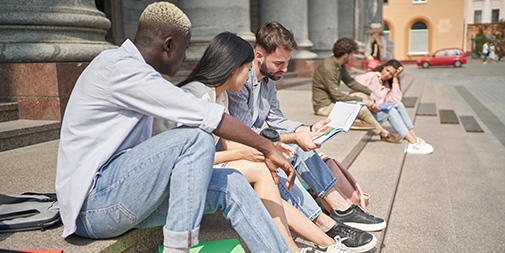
x=264, y=71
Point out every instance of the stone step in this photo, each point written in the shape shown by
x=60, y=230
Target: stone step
x=9, y=111
x=20, y=133
x=292, y=82
x=379, y=166
x=289, y=75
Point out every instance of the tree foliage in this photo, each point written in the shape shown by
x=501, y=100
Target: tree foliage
x=480, y=39
x=499, y=39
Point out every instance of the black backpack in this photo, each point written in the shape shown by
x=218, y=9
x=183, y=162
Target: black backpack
x=28, y=211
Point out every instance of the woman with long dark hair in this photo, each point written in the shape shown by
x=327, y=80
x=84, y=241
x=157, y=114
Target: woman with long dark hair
x=225, y=65
x=384, y=81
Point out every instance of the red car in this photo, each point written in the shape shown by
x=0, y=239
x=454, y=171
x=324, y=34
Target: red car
x=446, y=56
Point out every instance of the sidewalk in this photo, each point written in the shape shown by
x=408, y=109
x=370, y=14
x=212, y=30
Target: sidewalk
x=452, y=200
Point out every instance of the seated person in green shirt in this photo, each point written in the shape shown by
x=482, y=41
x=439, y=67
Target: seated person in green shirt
x=326, y=84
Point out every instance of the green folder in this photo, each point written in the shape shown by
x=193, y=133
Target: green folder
x=218, y=246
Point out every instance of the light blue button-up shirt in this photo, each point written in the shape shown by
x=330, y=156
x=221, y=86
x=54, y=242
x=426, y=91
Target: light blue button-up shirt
x=242, y=106
x=111, y=109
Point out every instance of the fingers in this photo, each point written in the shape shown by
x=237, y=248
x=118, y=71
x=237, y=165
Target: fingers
x=305, y=140
x=290, y=172
x=320, y=124
x=260, y=156
x=259, y=159
x=310, y=145
x=398, y=71
x=315, y=134
x=286, y=150
x=323, y=122
x=275, y=177
x=275, y=160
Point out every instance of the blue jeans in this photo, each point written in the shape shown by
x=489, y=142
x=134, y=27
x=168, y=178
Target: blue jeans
x=315, y=173
x=298, y=197
x=398, y=117
x=169, y=181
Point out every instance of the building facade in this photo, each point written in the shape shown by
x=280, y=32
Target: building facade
x=417, y=28
x=482, y=14
x=54, y=49
x=316, y=24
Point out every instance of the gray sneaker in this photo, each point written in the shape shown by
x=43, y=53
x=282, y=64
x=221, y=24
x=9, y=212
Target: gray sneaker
x=354, y=216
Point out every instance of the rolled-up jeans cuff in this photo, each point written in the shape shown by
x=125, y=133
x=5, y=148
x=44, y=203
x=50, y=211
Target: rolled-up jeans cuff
x=315, y=215
x=321, y=194
x=184, y=239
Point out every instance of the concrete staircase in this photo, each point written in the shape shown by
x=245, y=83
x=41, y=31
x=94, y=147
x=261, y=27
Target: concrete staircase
x=290, y=80
x=15, y=132
x=32, y=167
x=28, y=153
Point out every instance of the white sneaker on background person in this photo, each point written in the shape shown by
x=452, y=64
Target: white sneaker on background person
x=420, y=147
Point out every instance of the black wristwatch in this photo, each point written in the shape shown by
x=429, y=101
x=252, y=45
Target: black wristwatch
x=270, y=134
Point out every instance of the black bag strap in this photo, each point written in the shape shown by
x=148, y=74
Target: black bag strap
x=42, y=197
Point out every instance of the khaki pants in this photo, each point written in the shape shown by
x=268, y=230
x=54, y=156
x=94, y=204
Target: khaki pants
x=364, y=114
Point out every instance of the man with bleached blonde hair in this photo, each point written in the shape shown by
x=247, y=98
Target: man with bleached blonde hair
x=112, y=177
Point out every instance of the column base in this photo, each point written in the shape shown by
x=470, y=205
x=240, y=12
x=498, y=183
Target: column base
x=41, y=90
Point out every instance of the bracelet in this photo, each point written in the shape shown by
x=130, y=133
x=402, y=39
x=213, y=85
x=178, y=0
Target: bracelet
x=310, y=128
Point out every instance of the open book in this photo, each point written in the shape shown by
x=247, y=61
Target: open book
x=342, y=116
x=388, y=106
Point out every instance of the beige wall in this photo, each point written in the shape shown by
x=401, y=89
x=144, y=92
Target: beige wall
x=444, y=19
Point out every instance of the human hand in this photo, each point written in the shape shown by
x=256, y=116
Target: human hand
x=286, y=150
x=374, y=107
x=398, y=71
x=274, y=160
x=372, y=98
x=251, y=154
x=304, y=140
x=320, y=124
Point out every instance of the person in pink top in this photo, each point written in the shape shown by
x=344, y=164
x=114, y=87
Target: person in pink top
x=384, y=81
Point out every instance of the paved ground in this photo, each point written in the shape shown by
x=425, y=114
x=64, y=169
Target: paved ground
x=450, y=201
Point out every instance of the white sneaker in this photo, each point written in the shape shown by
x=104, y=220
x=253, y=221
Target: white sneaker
x=419, y=140
x=306, y=250
x=338, y=247
x=419, y=148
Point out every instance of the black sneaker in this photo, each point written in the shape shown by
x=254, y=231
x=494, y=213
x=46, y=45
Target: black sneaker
x=356, y=217
x=356, y=240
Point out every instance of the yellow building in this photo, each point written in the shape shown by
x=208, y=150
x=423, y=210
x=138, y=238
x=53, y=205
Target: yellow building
x=417, y=28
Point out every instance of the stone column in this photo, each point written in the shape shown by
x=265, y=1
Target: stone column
x=211, y=17
x=323, y=26
x=346, y=19
x=293, y=14
x=51, y=31
x=44, y=46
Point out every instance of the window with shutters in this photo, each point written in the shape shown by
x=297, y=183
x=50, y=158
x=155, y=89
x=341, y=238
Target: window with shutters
x=418, y=39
